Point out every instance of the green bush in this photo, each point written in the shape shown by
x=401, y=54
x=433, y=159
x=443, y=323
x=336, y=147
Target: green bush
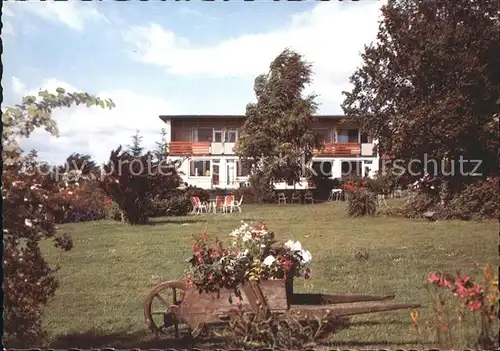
x=476, y=201
x=193, y=191
x=113, y=212
x=361, y=203
x=178, y=206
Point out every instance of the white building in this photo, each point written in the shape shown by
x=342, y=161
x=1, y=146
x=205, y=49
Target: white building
x=206, y=143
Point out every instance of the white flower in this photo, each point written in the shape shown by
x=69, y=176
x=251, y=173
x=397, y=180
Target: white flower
x=70, y=193
x=297, y=246
x=243, y=254
x=247, y=236
x=432, y=186
x=25, y=199
x=269, y=260
x=306, y=256
x=77, y=184
x=28, y=223
x=289, y=244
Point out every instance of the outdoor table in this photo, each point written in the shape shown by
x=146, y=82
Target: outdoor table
x=212, y=205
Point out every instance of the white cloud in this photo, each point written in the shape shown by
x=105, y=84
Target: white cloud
x=97, y=131
x=73, y=14
x=331, y=36
x=18, y=87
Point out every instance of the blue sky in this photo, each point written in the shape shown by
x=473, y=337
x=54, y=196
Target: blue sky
x=157, y=58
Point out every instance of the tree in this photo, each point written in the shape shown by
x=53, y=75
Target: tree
x=136, y=149
x=28, y=203
x=276, y=139
x=428, y=86
x=161, y=150
x=134, y=182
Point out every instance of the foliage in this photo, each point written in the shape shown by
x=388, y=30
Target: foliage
x=20, y=121
x=135, y=149
x=477, y=201
x=248, y=194
x=29, y=205
x=429, y=86
x=178, y=205
x=193, y=191
x=132, y=182
x=79, y=202
x=383, y=182
x=77, y=168
x=361, y=203
x=277, y=139
x=112, y=211
x=161, y=150
x=480, y=299
x=253, y=255
x=262, y=189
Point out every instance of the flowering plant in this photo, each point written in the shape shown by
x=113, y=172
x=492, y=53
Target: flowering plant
x=253, y=255
x=480, y=299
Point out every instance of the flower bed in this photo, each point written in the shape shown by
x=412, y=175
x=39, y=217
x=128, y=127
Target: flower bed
x=253, y=254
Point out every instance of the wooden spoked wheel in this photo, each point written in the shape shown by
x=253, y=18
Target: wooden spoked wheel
x=160, y=307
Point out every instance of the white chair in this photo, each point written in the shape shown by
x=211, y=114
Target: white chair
x=335, y=195
x=237, y=205
x=198, y=206
x=381, y=199
x=282, y=198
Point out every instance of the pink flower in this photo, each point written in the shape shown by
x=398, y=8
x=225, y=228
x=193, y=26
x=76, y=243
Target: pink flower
x=434, y=277
x=474, y=305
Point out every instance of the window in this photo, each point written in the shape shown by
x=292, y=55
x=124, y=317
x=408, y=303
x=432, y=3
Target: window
x=348, y=136
x=323, y=135
x=241, y=171
x=231, y=135
x=217, y=136
x=199, y=168
x=203, y=134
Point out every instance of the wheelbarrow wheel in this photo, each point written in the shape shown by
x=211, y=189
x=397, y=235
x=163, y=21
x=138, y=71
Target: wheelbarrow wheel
x=159, y=312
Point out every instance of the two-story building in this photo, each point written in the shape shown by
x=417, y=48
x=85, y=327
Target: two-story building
x=207, y=145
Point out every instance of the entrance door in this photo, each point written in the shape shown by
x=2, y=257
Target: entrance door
x=230, y=173
x=215, y=173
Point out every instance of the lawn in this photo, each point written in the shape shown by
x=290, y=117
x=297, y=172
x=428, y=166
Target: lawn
x=112, y=267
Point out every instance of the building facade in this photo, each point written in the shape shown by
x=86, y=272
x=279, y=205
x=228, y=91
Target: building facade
x=206, y=144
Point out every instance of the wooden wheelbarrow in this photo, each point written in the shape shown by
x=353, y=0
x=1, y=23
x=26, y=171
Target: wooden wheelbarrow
x=199, y=310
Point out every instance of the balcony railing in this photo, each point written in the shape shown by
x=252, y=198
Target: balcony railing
x=339, y=150
x=187, y=148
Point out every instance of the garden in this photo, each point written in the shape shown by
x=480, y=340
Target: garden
x=105, y=279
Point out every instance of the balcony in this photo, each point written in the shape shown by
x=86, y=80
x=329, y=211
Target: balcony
x=339, y=150
x=187, y=148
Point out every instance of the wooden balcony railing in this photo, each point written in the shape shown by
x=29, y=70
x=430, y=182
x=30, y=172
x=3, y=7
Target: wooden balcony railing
x=187, y=148
x=339, y=150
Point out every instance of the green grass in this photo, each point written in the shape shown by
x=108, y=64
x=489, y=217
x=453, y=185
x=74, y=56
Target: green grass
x=112, y=267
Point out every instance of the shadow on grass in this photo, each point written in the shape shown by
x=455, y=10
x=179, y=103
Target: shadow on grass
x=177, y=221
x=145, y=340
x=123, y=340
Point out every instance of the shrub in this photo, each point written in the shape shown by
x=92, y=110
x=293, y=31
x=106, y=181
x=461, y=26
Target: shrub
x=112, y=211
x=248, y=194
x=29, y=281
x=193, y=191
x=476, y=201
x=133, y=181
x=361, y=203
x=175, y=206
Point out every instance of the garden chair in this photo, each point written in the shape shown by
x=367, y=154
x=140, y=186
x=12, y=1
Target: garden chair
x=335, y=195
x=381, y=199
x=219, y=203
x=237, y=205
x=198, y=206
x=308, y=197
x=296, y=197
x=282, y=198
x=228, y=203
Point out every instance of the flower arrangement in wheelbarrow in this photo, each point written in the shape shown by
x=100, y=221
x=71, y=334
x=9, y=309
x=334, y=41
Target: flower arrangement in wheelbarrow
x=253, y=254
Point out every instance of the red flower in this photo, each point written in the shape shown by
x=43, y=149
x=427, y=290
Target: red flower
x=205, y=235
x=196, y=249
x=474, y=305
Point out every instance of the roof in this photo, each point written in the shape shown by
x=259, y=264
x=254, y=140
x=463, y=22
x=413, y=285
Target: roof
x=167, y=117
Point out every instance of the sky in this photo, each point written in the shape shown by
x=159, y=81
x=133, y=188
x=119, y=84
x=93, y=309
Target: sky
x=156, y=58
